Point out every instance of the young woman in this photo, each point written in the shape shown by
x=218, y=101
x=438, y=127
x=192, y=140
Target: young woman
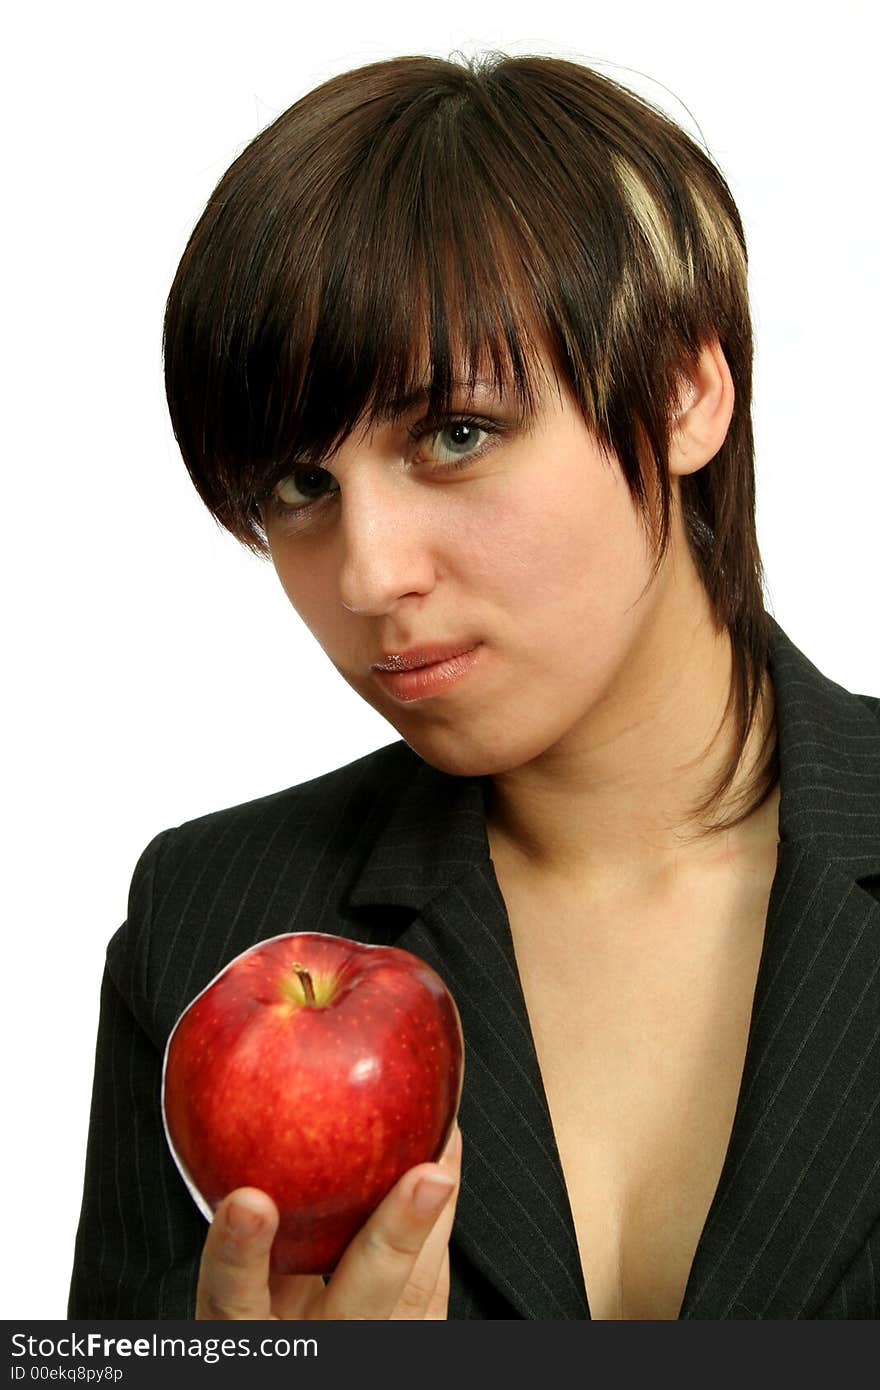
x=465, y=348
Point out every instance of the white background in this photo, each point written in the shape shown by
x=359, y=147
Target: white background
x=154, y=668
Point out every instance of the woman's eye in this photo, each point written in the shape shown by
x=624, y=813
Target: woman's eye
x=452, y=445
x=455, y=441
x=304, y=486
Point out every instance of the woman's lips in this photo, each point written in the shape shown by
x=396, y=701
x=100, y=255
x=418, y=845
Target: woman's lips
x=427, y=655
x=429, y=679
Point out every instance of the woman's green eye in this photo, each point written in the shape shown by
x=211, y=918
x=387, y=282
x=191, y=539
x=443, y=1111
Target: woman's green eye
x=303, y=486
x=457, y=440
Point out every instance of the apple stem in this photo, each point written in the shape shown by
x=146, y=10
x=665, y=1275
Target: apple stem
x=305, y=980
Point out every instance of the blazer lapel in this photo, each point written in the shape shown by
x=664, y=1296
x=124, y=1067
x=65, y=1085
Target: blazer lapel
x=513, y=1219
x=797, y=1193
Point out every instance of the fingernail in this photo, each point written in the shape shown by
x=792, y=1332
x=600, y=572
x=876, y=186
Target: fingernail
x=243, y=1219
x=430, y=1195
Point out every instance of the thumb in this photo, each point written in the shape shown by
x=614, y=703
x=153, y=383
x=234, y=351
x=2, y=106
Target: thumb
x=234, y=1273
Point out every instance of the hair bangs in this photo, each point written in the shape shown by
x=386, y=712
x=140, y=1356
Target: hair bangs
x=410, y=290
x=418, y=299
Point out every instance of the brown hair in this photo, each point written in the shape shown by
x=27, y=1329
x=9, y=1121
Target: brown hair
x=475, y=211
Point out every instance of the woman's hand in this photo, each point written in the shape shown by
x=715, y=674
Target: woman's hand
x=397, y=1266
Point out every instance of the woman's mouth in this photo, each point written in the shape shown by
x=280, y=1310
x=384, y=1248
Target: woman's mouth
x=425, y=671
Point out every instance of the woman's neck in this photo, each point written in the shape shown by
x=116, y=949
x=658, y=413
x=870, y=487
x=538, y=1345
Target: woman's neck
x=611, y=804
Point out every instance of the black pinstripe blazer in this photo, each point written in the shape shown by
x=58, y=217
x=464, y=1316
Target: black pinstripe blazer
x=390, y=850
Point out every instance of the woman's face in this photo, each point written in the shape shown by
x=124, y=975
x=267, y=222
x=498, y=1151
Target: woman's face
x=473, y=531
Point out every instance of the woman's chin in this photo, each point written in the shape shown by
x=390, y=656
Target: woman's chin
x=463, y=756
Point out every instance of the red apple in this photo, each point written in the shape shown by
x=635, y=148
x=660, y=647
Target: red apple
x=318, y=1070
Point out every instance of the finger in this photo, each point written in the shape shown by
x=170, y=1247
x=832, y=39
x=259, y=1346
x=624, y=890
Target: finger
x=451, y=1155
x=296, y=1297
x=373, y=1273
x=234, y=1272
x=438, y=1304
x=426, y=1294
x=299, y=1296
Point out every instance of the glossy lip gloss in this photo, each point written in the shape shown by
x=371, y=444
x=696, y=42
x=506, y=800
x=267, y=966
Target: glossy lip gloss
x=424, y=681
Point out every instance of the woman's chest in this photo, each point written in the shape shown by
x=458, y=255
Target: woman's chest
x=640, y=1020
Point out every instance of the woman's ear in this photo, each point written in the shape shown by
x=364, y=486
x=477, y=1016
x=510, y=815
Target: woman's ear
x=702, y=417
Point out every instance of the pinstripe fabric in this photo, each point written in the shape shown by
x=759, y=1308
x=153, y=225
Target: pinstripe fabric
x=858, y=1293
x=389, y=850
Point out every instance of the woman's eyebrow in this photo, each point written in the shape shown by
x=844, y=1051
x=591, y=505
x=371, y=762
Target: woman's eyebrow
x=401, y=405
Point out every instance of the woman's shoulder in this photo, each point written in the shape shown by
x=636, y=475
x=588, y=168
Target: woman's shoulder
x=314, y=804
x=205, y=890
x=311, y=814
x=873, y=703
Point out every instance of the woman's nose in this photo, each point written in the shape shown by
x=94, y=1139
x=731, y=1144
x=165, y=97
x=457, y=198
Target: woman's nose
x=387, y=555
